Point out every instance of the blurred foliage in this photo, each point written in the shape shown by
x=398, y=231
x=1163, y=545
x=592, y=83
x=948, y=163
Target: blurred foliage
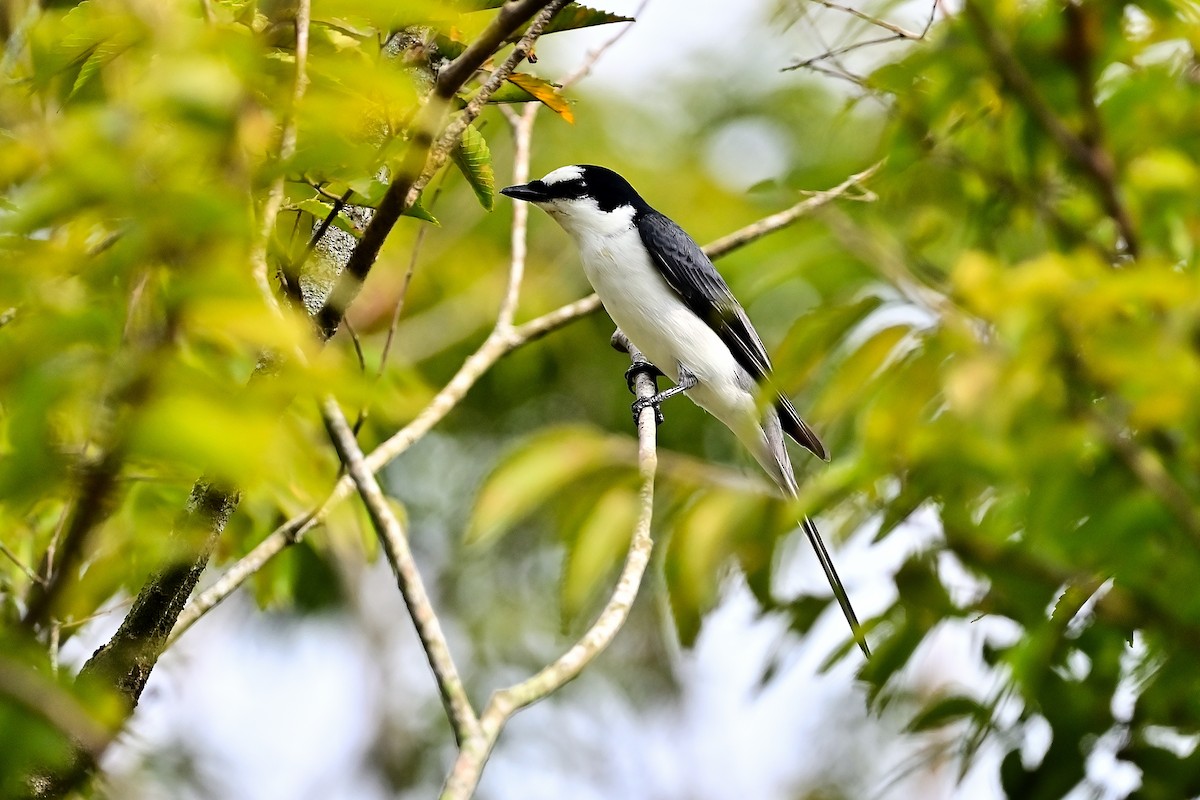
x=1006, y=342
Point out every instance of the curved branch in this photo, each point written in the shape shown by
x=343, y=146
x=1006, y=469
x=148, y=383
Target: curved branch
x=473, y=755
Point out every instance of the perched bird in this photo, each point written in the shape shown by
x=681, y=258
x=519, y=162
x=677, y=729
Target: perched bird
x=664, y=293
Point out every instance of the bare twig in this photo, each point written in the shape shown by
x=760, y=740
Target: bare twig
x=97, y=485
x=896, y=32
x=876, y=21
x=522, y=125
x=29, y=573
x=402, y=295
x=287, y=149
x=394, y=541
x=594, y=55
x=757, y=230
x=473, y=755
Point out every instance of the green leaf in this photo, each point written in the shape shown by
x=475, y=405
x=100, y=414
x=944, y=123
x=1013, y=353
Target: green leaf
x=536, y=471
x=104, y=52
x=946, y=710
x=321, y=209
x=474, y=161
x=574, y=16
x=511, y=93
x=599, y=545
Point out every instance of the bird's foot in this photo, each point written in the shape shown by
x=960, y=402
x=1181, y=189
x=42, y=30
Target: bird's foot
x=644, y=402
x=642, y=367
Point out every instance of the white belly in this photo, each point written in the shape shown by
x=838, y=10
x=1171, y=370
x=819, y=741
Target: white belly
x=655, y=319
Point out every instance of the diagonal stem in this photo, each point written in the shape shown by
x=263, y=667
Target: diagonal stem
x=394, y=540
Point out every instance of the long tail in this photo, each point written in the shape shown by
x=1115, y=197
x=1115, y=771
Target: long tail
x=835, y=583
x=772, y=454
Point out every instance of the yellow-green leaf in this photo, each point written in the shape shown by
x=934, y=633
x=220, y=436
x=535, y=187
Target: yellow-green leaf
x=538, y=469
x=598, y=547
x=545, y=92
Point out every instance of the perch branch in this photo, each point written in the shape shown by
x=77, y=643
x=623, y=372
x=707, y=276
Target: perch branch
x=473, y=755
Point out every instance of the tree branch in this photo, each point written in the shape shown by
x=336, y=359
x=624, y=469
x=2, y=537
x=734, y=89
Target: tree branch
x=473, y=755
x=395, y=545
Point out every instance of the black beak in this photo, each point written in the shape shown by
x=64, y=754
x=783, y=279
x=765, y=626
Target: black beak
x=524, y=191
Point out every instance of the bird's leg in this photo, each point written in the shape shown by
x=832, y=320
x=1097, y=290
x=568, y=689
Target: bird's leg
x=686, y=381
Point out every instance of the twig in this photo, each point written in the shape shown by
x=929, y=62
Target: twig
x=757, y=230
x=29, y=573
x=498, y=344
x=876, y=21
x=522, y=125
x=1093, y=159
x=287, y=149
x=406, y=283
x=473, y=755
x=832, y=54
x=97, y=485
x=395, y=545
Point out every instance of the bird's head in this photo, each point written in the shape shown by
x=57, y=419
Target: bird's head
x=583, y=198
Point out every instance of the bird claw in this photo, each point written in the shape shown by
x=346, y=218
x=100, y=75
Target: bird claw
x=644, y=402
x=642, y=368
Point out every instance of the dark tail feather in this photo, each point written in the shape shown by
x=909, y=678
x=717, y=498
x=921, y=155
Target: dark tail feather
x=795, y=427
x=835, y=582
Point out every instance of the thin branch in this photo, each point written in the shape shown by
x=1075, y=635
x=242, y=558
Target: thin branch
x=901, y=33
x=29, y=573
x=424, y=156
x=1096, y=163
x=522, y=125
x=498, y=344
x=473, y=755
x=287, y=149
x=757, y=230
x=833, y=54
x=97, y=485
x=402, y=296
x=394, y=540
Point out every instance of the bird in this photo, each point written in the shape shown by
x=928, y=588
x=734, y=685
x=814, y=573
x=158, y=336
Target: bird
x=663, y=292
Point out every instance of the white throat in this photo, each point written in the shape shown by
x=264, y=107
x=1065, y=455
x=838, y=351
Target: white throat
x=585, y=222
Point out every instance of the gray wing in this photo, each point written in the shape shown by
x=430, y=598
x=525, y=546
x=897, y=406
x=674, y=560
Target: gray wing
x=692, y=275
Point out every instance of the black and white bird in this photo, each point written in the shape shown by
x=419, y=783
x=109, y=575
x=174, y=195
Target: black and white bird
x=664, y=293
